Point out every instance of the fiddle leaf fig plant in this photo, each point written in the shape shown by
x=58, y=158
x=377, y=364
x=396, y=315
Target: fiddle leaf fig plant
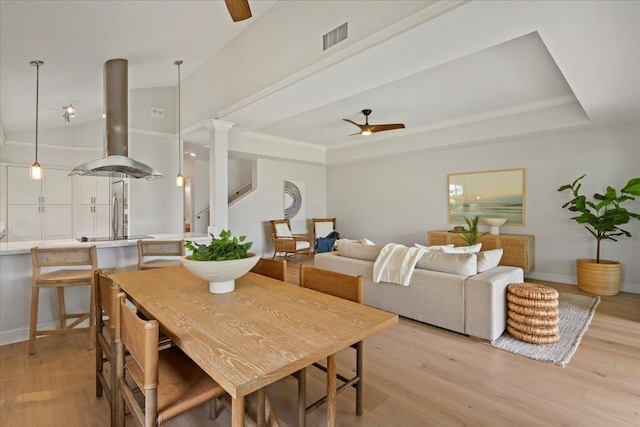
x=472, y=235
x=223, y=249
x=603, y=215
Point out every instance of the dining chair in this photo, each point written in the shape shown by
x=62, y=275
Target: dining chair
x=271, y=268
x=342, y=286
x=170, y=381
x=169, y=252
x=322, y=227
x=105, y=304
x=47, y=258
x=286, y=242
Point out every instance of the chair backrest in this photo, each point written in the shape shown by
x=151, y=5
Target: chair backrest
x=271, y=268
x=140, y=337
x=322, y=227
x=333, y=283
x=281, y=228
x=106, y=296
x=63, y=257
x=159, y=248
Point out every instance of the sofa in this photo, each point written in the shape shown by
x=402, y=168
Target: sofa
x=445, y=290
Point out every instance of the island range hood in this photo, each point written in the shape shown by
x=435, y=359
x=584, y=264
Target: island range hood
x=116, y=103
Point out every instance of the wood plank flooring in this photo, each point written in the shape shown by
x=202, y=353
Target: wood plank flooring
x=415, y=375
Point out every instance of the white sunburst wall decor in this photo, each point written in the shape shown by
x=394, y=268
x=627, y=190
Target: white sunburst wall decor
x=294, y=200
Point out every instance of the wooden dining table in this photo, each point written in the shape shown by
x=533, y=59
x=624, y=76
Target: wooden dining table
x=261, y=332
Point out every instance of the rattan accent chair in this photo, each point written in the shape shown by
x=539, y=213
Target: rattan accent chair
x=287, y=243
x=159, y=248
x=321, y=228
x=170, y=381
x=271, y=268
x=59, y=280
x=342, y=286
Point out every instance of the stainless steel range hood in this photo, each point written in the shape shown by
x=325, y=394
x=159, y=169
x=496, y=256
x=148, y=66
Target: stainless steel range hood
x=116, y=100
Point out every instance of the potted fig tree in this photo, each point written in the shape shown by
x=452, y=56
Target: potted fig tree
x=602, y=216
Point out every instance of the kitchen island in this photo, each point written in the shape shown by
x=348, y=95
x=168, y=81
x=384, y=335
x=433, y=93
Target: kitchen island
x=15, y=280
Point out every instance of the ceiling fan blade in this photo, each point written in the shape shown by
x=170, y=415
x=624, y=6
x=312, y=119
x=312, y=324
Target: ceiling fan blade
x=391, y=126
x=353, y=134
x=354, y=123
x=238, y=9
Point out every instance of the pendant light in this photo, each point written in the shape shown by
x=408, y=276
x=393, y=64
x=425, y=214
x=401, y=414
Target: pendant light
x=36, y=169
x=179, y=178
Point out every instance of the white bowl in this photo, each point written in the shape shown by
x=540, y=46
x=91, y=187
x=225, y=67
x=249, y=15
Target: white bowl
x=494, y=223
x=221, y=275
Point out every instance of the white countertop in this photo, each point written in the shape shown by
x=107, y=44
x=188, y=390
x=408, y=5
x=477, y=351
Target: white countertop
x=17, y=248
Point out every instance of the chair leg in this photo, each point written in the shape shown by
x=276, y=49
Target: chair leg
x=359, y=372
x=302, y=397
x=92, y=319
x=99, y=369
x=213, y=409
x=61, y=308
x=33, y=324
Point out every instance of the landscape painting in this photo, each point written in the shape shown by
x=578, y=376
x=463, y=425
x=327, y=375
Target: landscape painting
x=491, y=194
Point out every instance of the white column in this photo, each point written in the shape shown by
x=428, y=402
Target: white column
x=218, y=175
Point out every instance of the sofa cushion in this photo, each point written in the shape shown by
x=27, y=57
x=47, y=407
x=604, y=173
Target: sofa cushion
x=488, y=259
x=461, y=264
x=358, y=250
x=434, y=248
x=462, y=249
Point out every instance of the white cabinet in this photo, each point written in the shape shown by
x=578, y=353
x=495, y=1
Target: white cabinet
x=39, y=222
x=94, y=190
x=94, y=221
x=39, y=209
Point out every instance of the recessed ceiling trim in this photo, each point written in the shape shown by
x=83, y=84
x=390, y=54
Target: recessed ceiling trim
x=280, y=140
x=517, y=109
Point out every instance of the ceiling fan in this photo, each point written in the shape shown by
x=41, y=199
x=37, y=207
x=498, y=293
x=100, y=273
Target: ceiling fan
x=238, y=9
x=367, y=129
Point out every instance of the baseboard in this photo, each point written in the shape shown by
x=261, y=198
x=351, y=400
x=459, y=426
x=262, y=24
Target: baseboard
x=22, y=334
x=633, y=288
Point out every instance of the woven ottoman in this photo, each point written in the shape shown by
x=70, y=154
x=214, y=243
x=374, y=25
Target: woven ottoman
x=532, y=314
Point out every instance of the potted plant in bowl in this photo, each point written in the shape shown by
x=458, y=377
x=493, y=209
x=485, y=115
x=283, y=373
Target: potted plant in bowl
x=472, y=235
x=602, y=217
x=221, y=261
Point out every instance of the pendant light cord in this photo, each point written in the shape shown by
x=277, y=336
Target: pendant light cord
x=178, y=63
x=37, y=103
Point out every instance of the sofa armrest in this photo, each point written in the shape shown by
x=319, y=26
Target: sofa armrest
x=486, y=301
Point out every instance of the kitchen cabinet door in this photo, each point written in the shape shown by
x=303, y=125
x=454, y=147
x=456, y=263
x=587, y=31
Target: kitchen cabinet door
x=24, y=223
x=87, y=221
x=102, y=223
x=21, y=189
x=94, y=190
x=57, y=187
x=56, y=222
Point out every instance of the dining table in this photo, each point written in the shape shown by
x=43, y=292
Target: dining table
x=263, y=331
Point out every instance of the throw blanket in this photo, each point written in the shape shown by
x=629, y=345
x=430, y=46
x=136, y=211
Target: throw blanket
x=325, y=244
x=395, y=264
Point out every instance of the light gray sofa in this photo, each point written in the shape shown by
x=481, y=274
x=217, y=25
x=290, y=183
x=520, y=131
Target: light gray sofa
x=468, y=303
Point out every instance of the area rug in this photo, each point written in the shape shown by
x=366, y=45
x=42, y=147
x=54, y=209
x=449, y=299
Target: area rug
x=575, y=314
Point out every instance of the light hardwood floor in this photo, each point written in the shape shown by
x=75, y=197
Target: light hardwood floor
x=415, y=375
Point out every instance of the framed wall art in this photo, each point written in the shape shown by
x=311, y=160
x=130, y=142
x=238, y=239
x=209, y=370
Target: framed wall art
x=490, y=194
x=294, y=200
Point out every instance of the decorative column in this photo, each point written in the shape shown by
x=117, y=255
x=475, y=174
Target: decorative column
x=218, y=175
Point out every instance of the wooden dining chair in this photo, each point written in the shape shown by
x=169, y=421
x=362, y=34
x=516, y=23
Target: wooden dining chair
x=271, y=268
x=164, y=253
x=170, y=381
x=105, y=304
x=60, y=279
x=343, y=286
x=287, y=243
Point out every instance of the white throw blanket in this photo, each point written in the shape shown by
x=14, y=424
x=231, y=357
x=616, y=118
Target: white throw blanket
x=395, y=264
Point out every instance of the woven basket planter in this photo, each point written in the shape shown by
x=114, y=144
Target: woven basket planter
x=601, y=278
x=533, y=321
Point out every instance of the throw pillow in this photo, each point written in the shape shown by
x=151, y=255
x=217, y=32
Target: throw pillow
x=434, y=248
x=463, y=249
x=488, y=259
x=461, y=264
x=366, y=241
x=358, y=250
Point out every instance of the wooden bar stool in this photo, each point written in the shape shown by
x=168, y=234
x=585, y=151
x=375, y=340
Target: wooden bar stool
x=164, y=253
x=60, y=279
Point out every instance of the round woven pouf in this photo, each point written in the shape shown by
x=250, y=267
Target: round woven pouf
x=533, y=313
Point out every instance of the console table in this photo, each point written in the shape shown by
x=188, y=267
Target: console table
x=518, y=249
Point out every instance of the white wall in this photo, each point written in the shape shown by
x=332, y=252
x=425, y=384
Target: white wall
x=240, y=173
x=250, y=216
x=398, y=199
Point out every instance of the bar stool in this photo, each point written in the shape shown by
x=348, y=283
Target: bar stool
x=60, y=279
x=170, y=252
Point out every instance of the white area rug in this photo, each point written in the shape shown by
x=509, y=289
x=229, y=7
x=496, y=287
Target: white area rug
x=576, y=312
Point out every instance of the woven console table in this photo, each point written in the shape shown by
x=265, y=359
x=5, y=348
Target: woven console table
x=532, y=313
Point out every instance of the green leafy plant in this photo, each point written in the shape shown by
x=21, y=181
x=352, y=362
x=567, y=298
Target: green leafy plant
x=603, y=216
x=472, y=235
x=223, y=249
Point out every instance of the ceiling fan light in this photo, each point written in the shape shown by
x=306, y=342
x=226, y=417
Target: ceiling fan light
x=365, y=132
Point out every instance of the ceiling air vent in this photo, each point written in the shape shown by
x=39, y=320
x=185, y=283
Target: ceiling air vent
x=335, y=36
